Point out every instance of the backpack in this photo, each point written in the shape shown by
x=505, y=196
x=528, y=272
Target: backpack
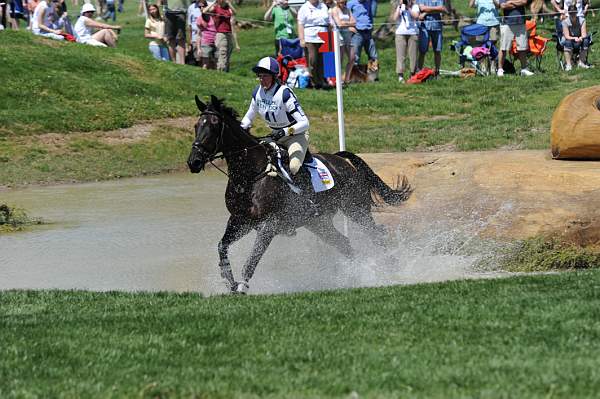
x=421, y=76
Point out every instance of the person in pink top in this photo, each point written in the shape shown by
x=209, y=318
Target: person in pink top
x=207, y=39
x=225, y=39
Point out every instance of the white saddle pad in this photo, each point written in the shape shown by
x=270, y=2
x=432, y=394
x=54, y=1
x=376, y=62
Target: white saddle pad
x=322, y=179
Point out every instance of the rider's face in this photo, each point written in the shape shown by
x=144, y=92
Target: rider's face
x=266, y=80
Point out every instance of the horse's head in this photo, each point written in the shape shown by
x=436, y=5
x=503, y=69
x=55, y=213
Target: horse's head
x=209, y=134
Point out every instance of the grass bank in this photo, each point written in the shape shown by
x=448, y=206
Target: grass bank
x=526, y=337
x=70, y=94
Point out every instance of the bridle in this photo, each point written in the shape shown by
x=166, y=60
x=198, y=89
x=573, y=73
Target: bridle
x=212, y=157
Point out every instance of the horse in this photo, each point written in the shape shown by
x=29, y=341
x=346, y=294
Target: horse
x=257, y=201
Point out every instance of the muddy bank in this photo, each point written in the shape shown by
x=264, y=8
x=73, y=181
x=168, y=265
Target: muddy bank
x=505, y=194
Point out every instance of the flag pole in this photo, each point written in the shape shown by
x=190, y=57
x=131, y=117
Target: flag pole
x=338, y=87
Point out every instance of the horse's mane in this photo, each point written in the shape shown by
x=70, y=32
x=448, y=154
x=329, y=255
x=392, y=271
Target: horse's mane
x=218, y=104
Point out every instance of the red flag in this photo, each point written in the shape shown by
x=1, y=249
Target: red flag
x=327, y=38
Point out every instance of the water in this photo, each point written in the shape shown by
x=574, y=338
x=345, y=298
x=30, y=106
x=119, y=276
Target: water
x=161, y=233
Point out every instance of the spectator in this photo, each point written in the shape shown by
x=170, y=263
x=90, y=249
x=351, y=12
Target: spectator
x=346, y=27
x=283, y=20
x=513, y=27
x=487, y=15
x=208, y=33
x=111, y=12
x=31, y=5
x=361, y=10
x=430, y=31
x=193, y=13
x=17, y=12
x=105, y=36
x=575, y=37
x=58, y=17
x=175, y=27
x=313, y=17
x=41, y=22
x=154, y=29
x=407, y=36
x=225, y=39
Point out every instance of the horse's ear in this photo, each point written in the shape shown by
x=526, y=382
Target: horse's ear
x=214, y=100
x=201, y=106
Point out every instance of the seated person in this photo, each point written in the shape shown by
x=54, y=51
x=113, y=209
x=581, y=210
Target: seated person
x=105, y=36
x=41, y=22
x=575, y=37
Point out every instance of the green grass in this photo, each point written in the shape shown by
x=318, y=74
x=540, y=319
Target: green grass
x=522, y=337
x=66, y=88
x=540, y=254
x=15, y=219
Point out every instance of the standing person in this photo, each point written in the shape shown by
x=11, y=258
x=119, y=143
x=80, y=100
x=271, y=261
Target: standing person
x=575, y=37
x=175, y=26
x=279, y=107
x=41, y=22
x=222, y=13
x=111, y=11
x=154, y=29
x=407, y=36
x=513, y=27
x=105, y=36
x=193, y=13
x=430, y=31
x=208, y=32
x=346, y=24
x=363, y=38
x=487, y=15
x=283, y=20
x=313, y=17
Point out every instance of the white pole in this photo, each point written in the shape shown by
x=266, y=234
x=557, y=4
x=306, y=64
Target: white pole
x=338, y=88
x=340, y=99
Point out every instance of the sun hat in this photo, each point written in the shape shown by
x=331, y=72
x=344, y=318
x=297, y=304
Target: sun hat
x=87, y=7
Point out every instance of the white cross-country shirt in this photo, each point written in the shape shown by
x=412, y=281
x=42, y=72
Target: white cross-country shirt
x=279, y=107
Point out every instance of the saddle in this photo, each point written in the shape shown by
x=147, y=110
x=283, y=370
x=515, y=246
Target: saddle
x=278, y=165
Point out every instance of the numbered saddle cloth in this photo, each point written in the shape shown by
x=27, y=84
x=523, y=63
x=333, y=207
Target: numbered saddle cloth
x=321, y=178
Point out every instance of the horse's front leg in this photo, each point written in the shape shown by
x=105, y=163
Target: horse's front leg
x=265, y=234
x=236, y=228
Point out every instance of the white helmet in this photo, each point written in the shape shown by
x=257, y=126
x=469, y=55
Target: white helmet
x=87, y=7
x=267, y=65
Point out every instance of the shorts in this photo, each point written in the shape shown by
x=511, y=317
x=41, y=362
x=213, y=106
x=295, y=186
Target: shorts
x=208, y=51
x=175, y=26
x=433, y=36
x=510, y=32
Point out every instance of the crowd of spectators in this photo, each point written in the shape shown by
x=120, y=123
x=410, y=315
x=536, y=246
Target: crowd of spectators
x=203, y=32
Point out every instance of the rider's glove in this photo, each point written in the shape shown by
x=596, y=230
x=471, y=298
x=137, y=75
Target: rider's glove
x=276, y=134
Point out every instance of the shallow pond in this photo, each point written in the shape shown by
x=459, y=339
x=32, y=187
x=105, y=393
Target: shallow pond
x=161, y=233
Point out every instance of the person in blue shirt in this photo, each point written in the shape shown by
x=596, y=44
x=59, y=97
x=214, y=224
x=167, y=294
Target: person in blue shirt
x=361, y=10
x=430, y=31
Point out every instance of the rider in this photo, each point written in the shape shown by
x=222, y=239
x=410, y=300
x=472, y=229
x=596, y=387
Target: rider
x=279, y=107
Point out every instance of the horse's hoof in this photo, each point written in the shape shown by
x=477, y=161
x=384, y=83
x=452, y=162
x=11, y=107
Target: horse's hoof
x=240, y=288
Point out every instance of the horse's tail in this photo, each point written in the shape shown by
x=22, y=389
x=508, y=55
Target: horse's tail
x=391, y=196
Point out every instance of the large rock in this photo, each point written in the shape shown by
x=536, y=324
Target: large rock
x=502, y=195
x=576, y=126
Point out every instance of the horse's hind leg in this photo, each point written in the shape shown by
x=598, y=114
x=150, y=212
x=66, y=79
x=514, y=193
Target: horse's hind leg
x=362, y=216
x=236, y=229
x=323, y=227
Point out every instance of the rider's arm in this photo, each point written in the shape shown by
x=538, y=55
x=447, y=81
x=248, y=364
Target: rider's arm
x=295, y=110
x=250, y=115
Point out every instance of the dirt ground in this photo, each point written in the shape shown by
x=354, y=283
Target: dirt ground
x=506, y=194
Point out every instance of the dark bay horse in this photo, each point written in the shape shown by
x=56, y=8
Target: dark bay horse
x=257, y=201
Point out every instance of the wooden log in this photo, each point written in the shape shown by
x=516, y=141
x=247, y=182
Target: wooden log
x=576, y=126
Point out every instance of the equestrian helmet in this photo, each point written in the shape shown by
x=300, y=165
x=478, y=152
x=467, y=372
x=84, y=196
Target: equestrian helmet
x=267, y=65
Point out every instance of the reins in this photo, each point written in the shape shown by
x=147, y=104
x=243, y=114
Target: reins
x=222, y=155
